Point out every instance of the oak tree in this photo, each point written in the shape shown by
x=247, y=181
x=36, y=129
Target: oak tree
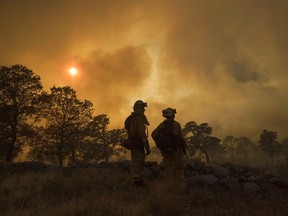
x=198, y=137
x=19, y=91
x=64, y=121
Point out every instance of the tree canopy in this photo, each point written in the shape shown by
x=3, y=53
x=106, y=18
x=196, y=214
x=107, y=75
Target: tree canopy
x=198, y=137
x=64, y=121
x=19, y=91
x=269, y=144
x=103, y=143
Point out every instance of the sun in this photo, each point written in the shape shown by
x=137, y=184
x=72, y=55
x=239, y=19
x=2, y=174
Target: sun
x=73, y=71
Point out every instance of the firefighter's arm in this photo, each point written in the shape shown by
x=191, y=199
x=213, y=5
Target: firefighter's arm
x=181, y=138
x=141, y=129
x=178, y=130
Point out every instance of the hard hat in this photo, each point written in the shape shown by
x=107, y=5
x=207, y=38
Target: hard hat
x=140, y=103
x=168, y=112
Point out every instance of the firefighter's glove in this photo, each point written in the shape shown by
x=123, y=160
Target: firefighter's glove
x=147, y=147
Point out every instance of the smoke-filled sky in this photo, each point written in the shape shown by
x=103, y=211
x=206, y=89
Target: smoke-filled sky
x=223, y=62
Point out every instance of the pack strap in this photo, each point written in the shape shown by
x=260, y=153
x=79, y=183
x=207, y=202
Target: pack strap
x=147, y=134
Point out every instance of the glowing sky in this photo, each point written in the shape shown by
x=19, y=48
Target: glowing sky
x=218, y=61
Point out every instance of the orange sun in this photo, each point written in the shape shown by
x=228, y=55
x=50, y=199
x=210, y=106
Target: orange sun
x=73, y=71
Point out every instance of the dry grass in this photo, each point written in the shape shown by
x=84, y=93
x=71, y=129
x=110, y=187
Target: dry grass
x=109, y=193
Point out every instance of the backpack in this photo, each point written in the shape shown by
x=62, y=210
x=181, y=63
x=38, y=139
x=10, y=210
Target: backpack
x=129, y=142
x=128, y=120
x=166, y=140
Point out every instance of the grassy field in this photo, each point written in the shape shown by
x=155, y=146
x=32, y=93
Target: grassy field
x=109, y=192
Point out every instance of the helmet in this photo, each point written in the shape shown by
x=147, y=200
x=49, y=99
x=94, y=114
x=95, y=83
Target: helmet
x=168, y=112
x=139, y=103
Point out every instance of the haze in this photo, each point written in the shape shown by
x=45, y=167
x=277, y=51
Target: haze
x=222, y=62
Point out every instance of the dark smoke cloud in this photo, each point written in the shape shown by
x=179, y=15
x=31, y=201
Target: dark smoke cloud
x=226, y=54
x=111, y=77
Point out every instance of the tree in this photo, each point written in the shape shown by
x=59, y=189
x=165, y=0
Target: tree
x=115, y=137
x=285, y=149
x=64, y=120
x=245, y=147
x=5, y=135
x=230, y=143
x=103, y=143
x=99, y=129
x=214, y=147
x=19, y=91
x=269, y=144
x=198, y=138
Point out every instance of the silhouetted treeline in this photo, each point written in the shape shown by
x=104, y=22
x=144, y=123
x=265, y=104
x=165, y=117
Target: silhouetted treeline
x=54, y=125
x=57, y=126
x=200, y=142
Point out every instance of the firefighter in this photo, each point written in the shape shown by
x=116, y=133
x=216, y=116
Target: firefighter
x=137, y=132
x=169, y=139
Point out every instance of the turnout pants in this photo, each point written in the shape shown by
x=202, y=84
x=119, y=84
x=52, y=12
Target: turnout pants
x=138, y=161
x=173, y=167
